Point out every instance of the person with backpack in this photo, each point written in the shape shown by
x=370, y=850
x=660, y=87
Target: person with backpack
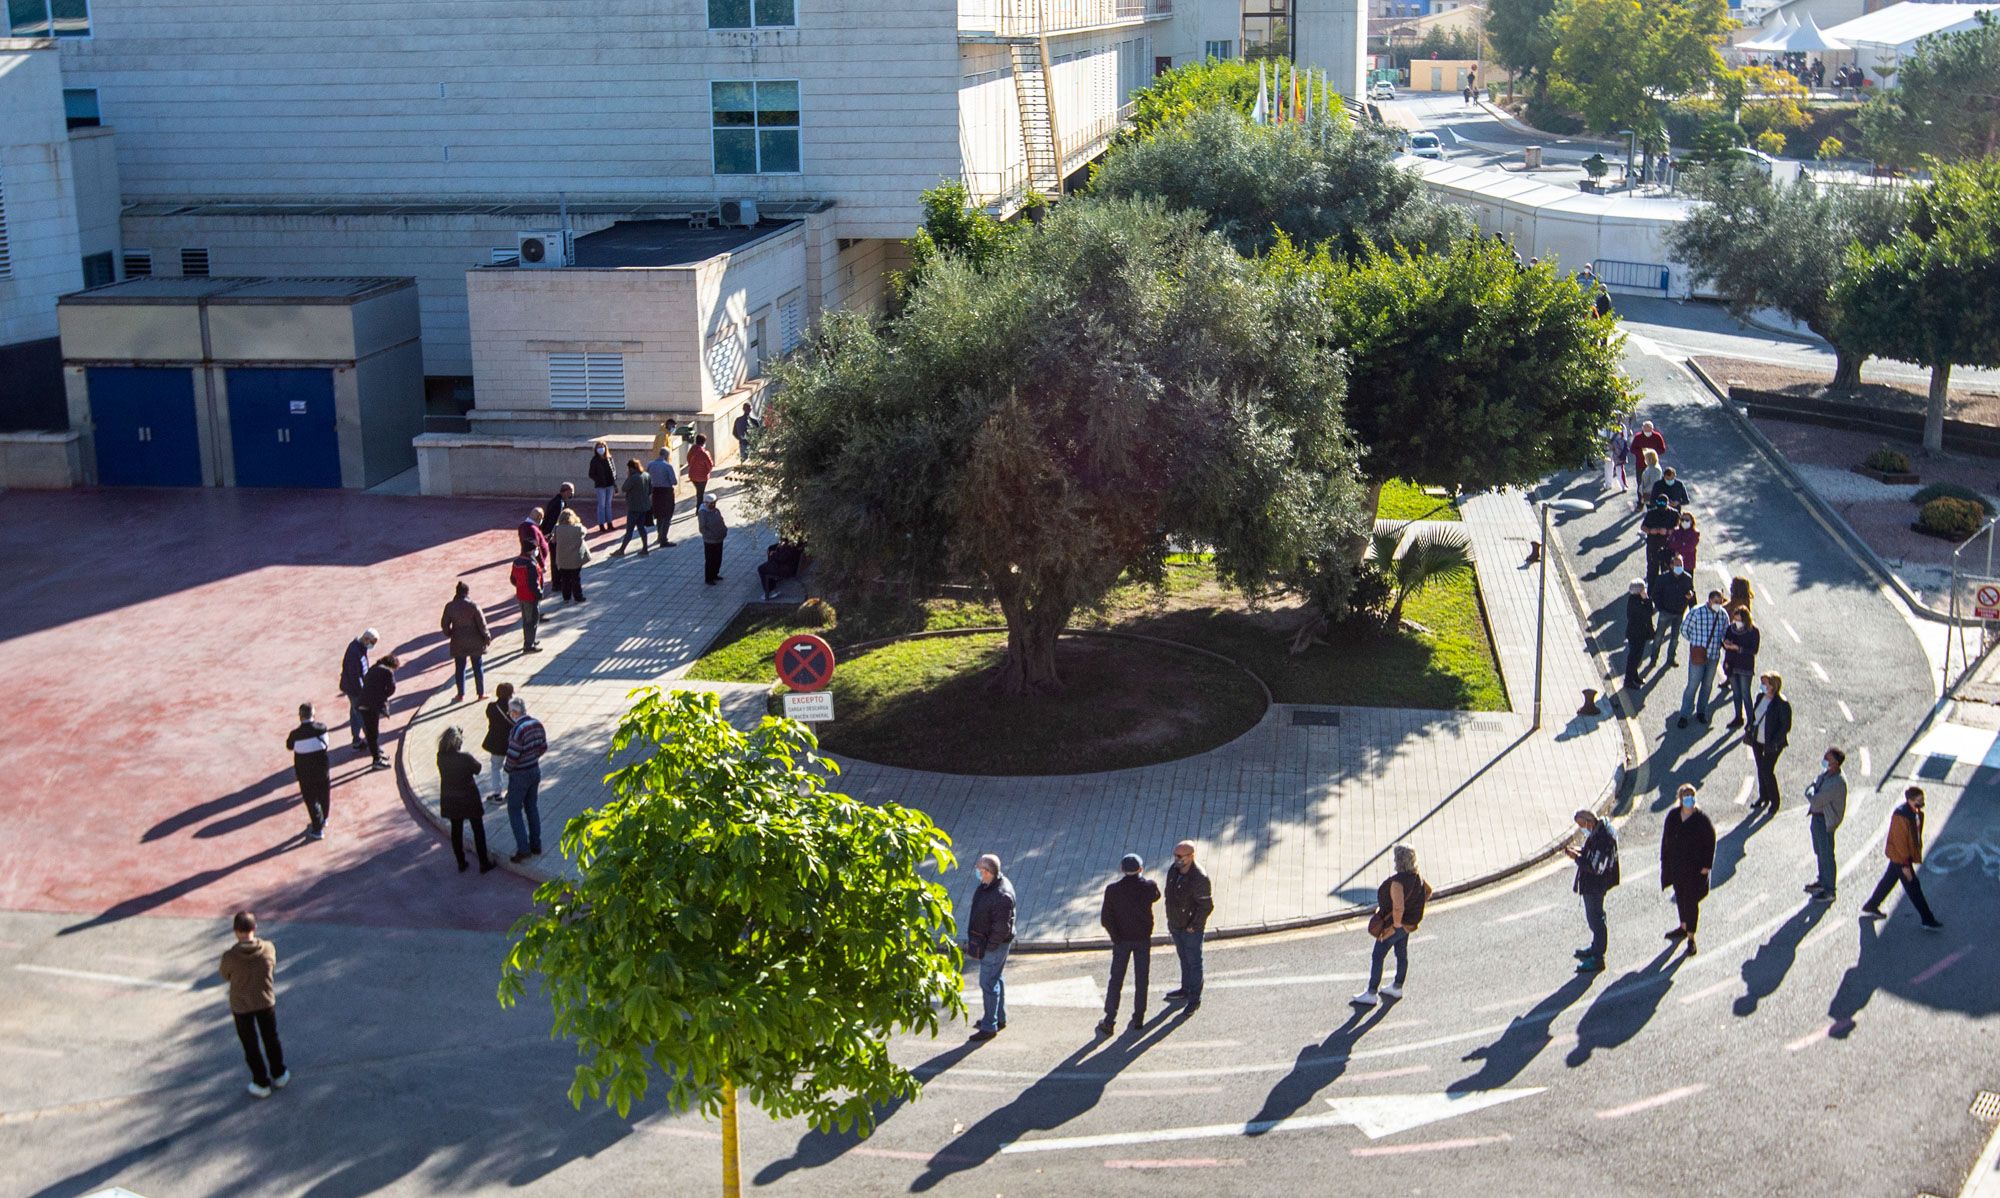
x=1596, y=876
x=1687, y=854
x=1399, y=908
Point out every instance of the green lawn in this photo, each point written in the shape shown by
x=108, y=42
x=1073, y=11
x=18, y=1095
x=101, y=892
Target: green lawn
x=1406, y=501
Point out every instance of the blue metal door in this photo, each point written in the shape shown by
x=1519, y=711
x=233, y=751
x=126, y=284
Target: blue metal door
x=144, y=425
x=281, y=428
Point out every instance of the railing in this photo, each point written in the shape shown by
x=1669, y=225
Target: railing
x=1038, y=18
x=1000, y=191
x=1086, y=141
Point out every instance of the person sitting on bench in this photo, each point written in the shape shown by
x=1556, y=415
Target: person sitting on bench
x=781, y=561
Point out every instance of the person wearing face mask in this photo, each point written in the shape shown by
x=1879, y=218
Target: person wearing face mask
x=1656, y=526
x=1638, y=629
x=1905, y=852
x=1770, y=725
x=1650, y=475
x=605, y=479
x=1703, y=630
x=1739, y=662
x=1673, y=595
x=1826, y=806
x=1687, y=853
x=1684, y=542
x=1671, y=488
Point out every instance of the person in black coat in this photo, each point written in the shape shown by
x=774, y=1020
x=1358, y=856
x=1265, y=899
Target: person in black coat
x=353, y=668
x=1673, y=597
x=1127, y=917
x=376, y=687
x=309, y=747
x=458, y=797
x=1638, y=630
x=1769, y=728
x=1687, y=853
x=989, y=935
x=552, y=512
x=1660, y=520
x=499, y=722
x=1596, y=876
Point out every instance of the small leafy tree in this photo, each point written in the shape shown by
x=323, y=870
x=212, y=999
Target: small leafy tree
x=952, y=226
x=1947, y=104
x=1620, y=58
x=1436, y=555
x=1228, y=84
x=738, y=927
x=1778, y=104
x=1831, y=149
x=1771, y=142
x=1523, y=34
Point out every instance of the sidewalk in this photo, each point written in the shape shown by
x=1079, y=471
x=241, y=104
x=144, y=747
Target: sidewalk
x=1295, y=818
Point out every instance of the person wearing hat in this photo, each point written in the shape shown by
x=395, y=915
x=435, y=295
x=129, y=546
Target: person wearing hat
x=714, y=529
x=1128, y=919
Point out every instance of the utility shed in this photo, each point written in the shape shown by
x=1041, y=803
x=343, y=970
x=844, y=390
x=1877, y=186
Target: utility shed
x=245, y=382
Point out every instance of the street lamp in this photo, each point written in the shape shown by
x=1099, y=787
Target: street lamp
x=1631, y=144
x=1542, y=588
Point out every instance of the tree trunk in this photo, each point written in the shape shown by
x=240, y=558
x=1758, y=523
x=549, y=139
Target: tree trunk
x=1847, y=369
x=1030, y=667
x=1934, y=409
x=732, y=1168
x=1357, y=549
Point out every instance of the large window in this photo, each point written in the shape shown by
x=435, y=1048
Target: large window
x=756, y=127
x=586, y=381
x=49, y=18
x=80, y=107
x=752, y=14
x=1224, y=50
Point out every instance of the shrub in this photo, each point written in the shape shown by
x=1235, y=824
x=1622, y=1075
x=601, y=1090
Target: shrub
x=1771, y=142
x=1948, y=517
x=1952, y=491
x=816, y=613
x=1831, y=149
x=1888, y=461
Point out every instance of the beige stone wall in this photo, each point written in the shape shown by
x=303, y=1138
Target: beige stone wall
x=40, y=461
x=519, y=317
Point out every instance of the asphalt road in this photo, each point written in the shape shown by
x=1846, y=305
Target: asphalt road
x=1803, y=1051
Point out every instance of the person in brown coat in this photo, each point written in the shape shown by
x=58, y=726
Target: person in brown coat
x=464, y=626
x=1905, y=852
x=248, y=967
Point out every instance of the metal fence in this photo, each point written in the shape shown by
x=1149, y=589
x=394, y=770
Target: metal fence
x=1641, y=276
x=1975, y=609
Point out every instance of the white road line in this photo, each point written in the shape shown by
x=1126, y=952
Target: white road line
x=1749, y=905
x=1787, y=624
x=116, y=979
x=1191, y=1163
x=1199, y=1044
x=1374, y=1116
x=1819, y=671
x=1814, y=1037
x=1743, y=792
x=1530, y=913
x=1867, y=766
x=1721, y=573
x=1657, y=1100
x=50, y=1053
x=1845, y=710
x=1709, y=991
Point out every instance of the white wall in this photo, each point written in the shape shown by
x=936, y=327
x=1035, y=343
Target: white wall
x=37, y=190
x=651, y=316
x=1332, y=36
x=94, y=156
x=735, y=291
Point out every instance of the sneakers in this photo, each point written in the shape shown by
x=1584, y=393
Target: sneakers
x=518, y=858
x=380, y=763
x=1676, y=934
x=1932, y=925
x=1392, y=990
x=282, y=1080
x=1174, y=995
x=313, y=833
x=1681, y=722
x=1690, y=946
x=1367, y=998
x=982, y=1034
x=257, y=1091
x=1736, y=723
x=1582, y=954
x=488, y=865
x=1106, y=1027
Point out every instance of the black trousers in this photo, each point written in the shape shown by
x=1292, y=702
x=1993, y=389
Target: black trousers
x=1634, y=650
x=371, y=730
x=1915, y=889
x=1140, y=954
x=569, y=583
x=249, y=1028
x=1687, y=901
x=640, y=523
x=663, y=516
x=1767, y=774
x=318, y=796
x=700, y=490
x=478, y=823
x=711, y=560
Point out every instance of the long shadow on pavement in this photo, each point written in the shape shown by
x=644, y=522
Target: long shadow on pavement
x=817, y=1147
x=1765, y=972
x=1731, y=846
x=1626, y=1006
x=1503, y=1060
x=1317, y=1067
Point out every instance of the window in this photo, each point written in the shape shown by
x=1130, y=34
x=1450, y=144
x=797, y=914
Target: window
x=756, y=128
x=98, y=270
x=578, y=381
x=49, y=18
x=791, y=322
x=194, y=262
x=6, y=258
x=80, y=107
x=1224, y=50
x=138, y=264
x=752, y=14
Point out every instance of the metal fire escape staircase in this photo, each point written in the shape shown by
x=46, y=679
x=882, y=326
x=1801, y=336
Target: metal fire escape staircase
x=1041, y=142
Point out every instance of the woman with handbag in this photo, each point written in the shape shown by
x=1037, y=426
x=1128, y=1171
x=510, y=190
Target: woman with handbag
x=1399, y=908
x=1687, y=853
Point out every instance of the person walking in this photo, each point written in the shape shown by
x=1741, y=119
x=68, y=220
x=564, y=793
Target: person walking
x=1703, y=630
x=1739, y=663
x=499, y=722
x=1650, y=474
x=533, y=539
x=250, y=967
x=638, y=488
x=376, y=688
x=353, y=668
x=989, y=935
x=1656, y=526
x=311, y=767
x=713, y=531
x=1684, y=542
x=700, y=465
x=1617, y=452
x=1905, y=851
x=464, y=628
x=1127, y=917
x=572, y=555
x=1826, y=806
x=605, y=479
x=1673, y=595
x=527, y=741
x=1399, y=908
x=1687, y=854
x=1638, y=629
x=458, y=797
x=665, y=482
x=552, y=514
x=1596, y=874
x=1190, y=901
x=1769, y=728
x=526, y=576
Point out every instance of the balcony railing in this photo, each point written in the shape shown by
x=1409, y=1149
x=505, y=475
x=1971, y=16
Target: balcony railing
x=1087, y=141
x=1039, y=18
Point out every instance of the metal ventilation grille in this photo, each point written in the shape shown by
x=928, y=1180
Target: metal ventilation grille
x=194, y=262
x=1986, y=1106
x=6, y=256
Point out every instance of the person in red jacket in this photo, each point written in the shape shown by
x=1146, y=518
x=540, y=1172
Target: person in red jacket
x=699, y=466
x=527, y=578
x=1646, y=438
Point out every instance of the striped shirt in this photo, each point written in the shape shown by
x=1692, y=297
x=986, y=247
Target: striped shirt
x=526, y=744
x=1705, y=626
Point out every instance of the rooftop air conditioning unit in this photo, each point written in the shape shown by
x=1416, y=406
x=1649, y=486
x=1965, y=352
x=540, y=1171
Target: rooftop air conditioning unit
x=739, y=213
x=544, y=249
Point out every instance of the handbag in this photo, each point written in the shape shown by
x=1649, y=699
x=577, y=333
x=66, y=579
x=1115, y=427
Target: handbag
x=1697, y=655
x=1380, y=925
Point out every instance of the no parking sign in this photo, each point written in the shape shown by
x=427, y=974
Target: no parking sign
x=805, y=662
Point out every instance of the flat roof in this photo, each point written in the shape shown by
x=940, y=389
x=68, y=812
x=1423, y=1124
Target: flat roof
x=186, y=289
x=1906, y=22
x=641, y=243
x=537, y=209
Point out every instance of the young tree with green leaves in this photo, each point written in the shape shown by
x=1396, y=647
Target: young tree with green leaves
x=1946, y=103
x=1618, y=59
x=1931, y=294
x=1173, y=96
x=952, y=226
x=1117, y=383
x=740, y=928
x=1523, y=35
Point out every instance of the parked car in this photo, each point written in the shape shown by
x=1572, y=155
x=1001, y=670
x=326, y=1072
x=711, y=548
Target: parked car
x=1426, y=145
x=1382, y=89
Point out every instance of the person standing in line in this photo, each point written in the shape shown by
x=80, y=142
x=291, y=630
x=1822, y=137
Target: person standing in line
x=1740, y=643
x=552, y=514
x=572, y=555
x=526, y=576
x=499, y=722
x=1650, y=474
x=665, y=482
x=353, y=668
x=1647, y=438
x=989, y=935
x=1684, y=542
x=533, y=539
x=464, y=628
x=1905, y=851
x=713, y=531
x=250, y=967
x=1740, y=594
x=458, y=797
x=527, y=741
x=1656, y=526
x=1596, y=874
x=1826, y=806
x=1673, y=595
x=1687, y=854
x=1617, y=450
x=1127, y=917
x=1190, y=901
x=1703, y=630
x=605, y=479
x=1399, y=908
x=310, y=766
x=376, y=689
x=1769, y=729
x=700, y=466
x=1638, y=629
x=638, y=489
x=1672, y=488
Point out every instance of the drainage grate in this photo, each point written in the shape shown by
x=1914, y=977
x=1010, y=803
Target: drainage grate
x=1986, y=1105
x=1316, y=719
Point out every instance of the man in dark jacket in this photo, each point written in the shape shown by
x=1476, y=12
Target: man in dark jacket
x=1596, y=874
x=1673, y=596
x=714, y=530
x=1128, y=919
x=465, y=634
x=376, y=688
x=1638, y=630
x=1189, y=904
x=989, y=934
x=309, y=765
x=353, y=668
x=250, y=967
x=1671, y=488
x=552, y=512
x=1905, y=852
x=1658, y=523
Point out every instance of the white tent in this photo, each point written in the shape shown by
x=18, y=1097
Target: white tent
x=1770, y=39
x=1809, y=38
x=1889, y=35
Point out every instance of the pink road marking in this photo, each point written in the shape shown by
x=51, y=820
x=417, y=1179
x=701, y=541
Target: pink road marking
x=1657, y=1100
x=1842, y=1026
x=1189, y=1163
x=1940, y=967
x=1429, y=1146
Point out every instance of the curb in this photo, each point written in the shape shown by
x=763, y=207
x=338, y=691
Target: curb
x=1516, y=125
x=1984, y=1179
x=440, y=826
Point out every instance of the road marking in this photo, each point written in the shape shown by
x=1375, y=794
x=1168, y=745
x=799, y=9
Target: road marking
x=1199, y=1044
x=1867, y=766
x=1382, y=1074
x=1749, y=905
x=1940, y=967
x=1375, y=1116
x=1845, y=710
x=1190, y=1163
x=1709, y=991
x=1530, y=913
x=1085, y=991
x=1819, y=671
x=1721, y=573
x=1211, y=975
x=1743, y=793
x=116, y=979
x=33, y=1052
x=1430, y=1146
x=1793, y=632
x=1814, y=1037
x=1657, y=1100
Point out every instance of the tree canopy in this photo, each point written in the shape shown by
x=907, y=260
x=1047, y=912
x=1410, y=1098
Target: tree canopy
x=1946, y=102
x=1616, y=59
x=952, y=227
x=1172, y=96
x=1523, y=34
x=1118, y=382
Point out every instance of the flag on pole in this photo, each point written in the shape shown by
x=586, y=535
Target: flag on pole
x=1298, y=113
x=1262, y=112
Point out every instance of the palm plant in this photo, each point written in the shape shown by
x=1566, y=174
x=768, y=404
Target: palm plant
x=1433, y=555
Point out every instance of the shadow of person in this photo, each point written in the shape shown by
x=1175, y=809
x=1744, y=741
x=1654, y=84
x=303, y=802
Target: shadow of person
x=140, y=904
x=1523, y=1041
x=1317, y=1067
x=1732, y=845
x=822, y=1147
x=1765, y=972
x=1859, y=983
x=1625, y=1006
x=278, y=780
x=1069, y=1090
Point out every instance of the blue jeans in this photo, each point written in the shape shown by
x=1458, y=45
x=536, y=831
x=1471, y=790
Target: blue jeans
x=1695, y=697
x=523, y=795
x=992, y=990
x=354, y=718
x=1822, y=842
x=1188, y=946
x=1398, y=940
x=604, y=495
x=1742, y=696
x=1593, y=915
x=478, y=673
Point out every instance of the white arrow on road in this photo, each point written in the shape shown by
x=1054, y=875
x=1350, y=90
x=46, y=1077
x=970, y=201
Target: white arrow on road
x=1375, y=1117
x=1085, y=992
